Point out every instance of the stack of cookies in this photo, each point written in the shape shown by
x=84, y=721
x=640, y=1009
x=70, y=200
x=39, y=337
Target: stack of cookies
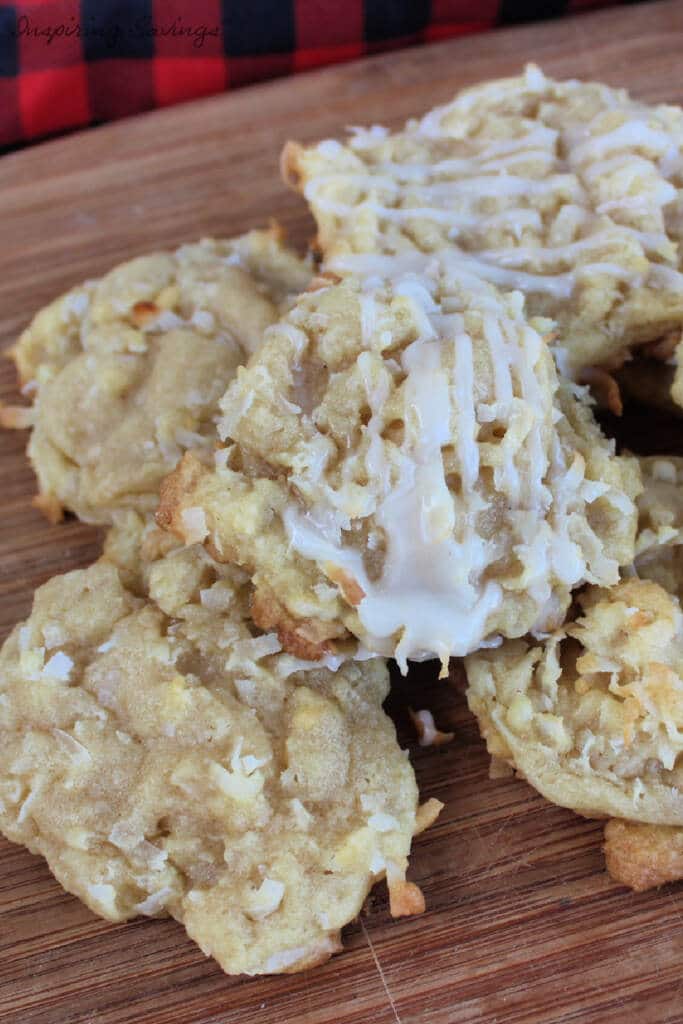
x=309, y=466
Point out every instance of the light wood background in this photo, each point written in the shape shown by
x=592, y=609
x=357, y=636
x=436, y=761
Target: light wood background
x=523, y=925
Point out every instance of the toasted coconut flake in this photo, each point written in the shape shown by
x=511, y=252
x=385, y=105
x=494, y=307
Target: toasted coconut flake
x=352, y=591
x=50, y=506
x=16, y=417
x=289, y=164
x=427, y=813
x=174, y=487
x=144, y=312
x=323, y=280
x=428, y=734
x=307, y=639
x=604, y=388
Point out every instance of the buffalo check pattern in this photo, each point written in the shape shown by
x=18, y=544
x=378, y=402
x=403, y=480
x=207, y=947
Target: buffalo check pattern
x=65, y=64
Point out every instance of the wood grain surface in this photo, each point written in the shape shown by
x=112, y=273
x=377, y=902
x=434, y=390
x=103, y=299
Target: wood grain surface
x=523, y=925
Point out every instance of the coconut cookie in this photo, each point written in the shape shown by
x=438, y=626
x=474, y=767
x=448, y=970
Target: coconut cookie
x=638, y=855
x=593, y=716
x=403, y=467
x=164, y=759
x=568, y=191
x=127, y=371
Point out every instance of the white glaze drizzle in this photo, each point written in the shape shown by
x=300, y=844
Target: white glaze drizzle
x=434, y=596
x=619, y=168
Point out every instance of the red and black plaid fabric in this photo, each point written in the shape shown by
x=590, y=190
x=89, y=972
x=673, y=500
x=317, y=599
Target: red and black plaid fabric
x=69, y=63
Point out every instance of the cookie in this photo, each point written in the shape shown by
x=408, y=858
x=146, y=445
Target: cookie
x=568, y=191
x=126, y=372
x=592, y=716
x=638, y=855
x=166, y=758
x=403, y=467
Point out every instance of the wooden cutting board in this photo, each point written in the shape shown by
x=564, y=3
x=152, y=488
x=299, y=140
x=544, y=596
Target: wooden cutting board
x=523, y=925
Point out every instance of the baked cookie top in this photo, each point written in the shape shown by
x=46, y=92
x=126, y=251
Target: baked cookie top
x=127, y=371
x=593, y=715
x=164, y=757
x=569, y=191
x=402, y=466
